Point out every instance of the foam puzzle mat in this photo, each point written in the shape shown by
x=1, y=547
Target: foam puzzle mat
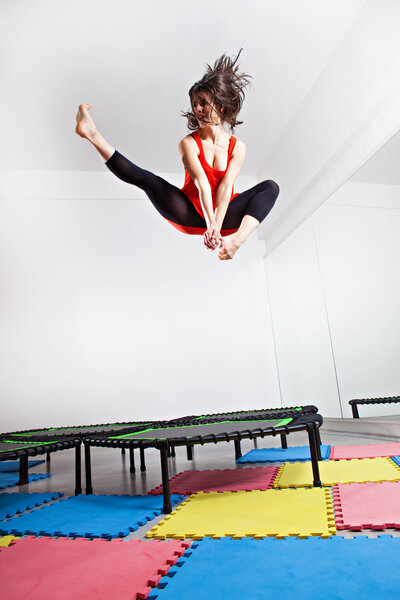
x=224, y=480
x=367, y=505
x=278, y=513
x=11, y=479
x=337, y=568
x=15, y=503
x=12, y=466
x=85, y=569
x=6, y=540
x=338, y=471
x=294, y=453
x=365, y=451
x=88, y=516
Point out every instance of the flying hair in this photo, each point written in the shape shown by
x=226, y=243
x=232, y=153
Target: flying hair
x=225, y=85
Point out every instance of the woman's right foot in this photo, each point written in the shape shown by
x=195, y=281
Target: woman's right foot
x=85, y=127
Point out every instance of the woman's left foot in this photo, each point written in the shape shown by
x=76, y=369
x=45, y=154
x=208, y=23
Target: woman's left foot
x=230, y=244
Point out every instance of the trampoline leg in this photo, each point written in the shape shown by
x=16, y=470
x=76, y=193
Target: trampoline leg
x=255, y=443
x=88, y=471
x=314, y=458
x=238, y=449
x=122, y=451
x=172, y=452
x=318, y=444
x=142, y=461
x=189, y=452
x=23, y=470
x=318, y=437
x=78, y=471
x=354, y=409
x=167, y=507
x=131, y=461
x=283, y=441
x=48, y=457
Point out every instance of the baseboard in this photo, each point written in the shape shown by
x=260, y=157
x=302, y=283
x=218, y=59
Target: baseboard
x=375, y=428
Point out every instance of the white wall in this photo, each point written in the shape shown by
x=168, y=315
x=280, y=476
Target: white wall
x=335, y=293
x=110, y=314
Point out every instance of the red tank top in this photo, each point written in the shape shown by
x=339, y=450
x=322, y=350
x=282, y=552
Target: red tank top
x=213, y=175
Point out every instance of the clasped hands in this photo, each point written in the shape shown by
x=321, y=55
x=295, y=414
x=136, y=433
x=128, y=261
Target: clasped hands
x=212, y=237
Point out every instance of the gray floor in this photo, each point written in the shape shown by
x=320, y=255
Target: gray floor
x=110, y=470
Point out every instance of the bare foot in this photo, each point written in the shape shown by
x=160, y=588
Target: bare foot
x=230, y=244
x=85, y=125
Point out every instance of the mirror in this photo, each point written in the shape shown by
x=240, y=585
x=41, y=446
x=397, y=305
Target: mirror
x=334, y=291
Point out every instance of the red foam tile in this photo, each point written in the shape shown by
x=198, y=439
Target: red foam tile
x=365, y=451
x=38, y=568
x=224, y=480
x=367, y=505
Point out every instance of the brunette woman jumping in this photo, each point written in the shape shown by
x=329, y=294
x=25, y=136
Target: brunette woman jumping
x=206, y=205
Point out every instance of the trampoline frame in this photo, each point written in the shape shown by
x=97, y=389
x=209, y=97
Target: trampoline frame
x=309, y=422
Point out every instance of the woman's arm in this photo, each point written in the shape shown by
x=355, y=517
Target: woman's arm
x=225, y=187
x=188, y=151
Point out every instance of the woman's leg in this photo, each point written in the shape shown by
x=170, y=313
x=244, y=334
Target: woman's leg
x=169, y=200
x=245, y=212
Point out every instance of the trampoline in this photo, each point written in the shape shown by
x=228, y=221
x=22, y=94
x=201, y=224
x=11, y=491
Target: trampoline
x=190, y=434
x=386, y=400
x=21, y=449
x=259, y=413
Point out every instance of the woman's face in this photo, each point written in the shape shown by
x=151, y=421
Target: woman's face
x=204, y=109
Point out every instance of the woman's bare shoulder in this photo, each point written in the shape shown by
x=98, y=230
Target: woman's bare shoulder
x=240, y=147
x=187, y=143
x=239, y=142
x=187, y=139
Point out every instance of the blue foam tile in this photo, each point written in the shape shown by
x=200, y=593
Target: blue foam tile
x=12, y=466
x=89, y=516
x=287, y=569
x=396, y=460
x=15, y=503
x=293, y=454
x=11, y=479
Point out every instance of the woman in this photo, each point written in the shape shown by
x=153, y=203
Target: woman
x=206, y=204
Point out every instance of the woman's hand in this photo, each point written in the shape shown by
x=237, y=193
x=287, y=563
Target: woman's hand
x=212, y=237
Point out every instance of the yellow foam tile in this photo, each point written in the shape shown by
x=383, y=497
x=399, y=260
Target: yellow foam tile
x=274, y=513
x=6, y=540
x=300, y=474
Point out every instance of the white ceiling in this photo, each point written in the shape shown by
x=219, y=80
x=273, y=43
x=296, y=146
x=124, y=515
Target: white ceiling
x=134, y=61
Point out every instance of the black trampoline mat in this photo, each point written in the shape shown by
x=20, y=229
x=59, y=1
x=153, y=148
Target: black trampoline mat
x=85, y=429
x=162, y=433
x=12, y=445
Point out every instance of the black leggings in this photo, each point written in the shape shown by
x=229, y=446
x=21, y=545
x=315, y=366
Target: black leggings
x=177, y=208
